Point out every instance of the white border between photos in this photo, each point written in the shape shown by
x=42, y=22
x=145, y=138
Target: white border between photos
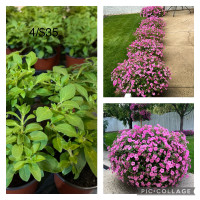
x=101, y=100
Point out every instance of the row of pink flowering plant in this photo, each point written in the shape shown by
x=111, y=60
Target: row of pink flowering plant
x=144, y=73
x=150, y=156
x=141, y=75
x=152, y=11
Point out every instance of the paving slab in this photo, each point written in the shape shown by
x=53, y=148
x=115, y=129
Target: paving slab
x=114, y=186
x=179, y=53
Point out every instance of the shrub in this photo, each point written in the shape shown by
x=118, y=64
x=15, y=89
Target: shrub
x=152, y=47
x=146, y=32
x=150, y=156
x=187, y=132
x=140, y=112
x=153, y=21
x=141, y=75
x=152, y=11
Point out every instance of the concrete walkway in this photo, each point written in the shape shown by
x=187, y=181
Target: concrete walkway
x=111, y=185
x=179, y=53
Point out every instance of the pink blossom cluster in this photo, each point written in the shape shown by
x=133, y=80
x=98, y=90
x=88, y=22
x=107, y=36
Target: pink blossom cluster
x=150, y=156
x=152, y=11
x=153, y=21
x=152, y=47
x=142, y=75
x=149, y=32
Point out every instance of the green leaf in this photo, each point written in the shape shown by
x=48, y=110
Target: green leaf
x=31, y=59
x=40, y=54
x=25, y=173
x=81, y=162
x=60, y=70
x=43, y=92
x=39, y=158
x=57, y=118
x=18, y=165
x=57, y=144
x=35, y=171
x=66, y=129
x=33, y=127
x=82, y=91
x=17, y=151
x=75, y=121
x=42, y=78
x=12, y=113
x=28, y=151
x=67, y=92
x=10, y=122
x=35, y=147
x=31, y=116
x=17, y=59
x=70, y=105
x=9, y=175
x=50, y=150
x=67, y=170
x=11, y=139
x=91, y=158
x=54, y=98
x=50, y=164
x=43, y=113
x=91, y=124
x=38, y=136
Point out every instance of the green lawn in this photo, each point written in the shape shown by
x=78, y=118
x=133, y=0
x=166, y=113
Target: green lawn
x=110, y=137
x=118, y=35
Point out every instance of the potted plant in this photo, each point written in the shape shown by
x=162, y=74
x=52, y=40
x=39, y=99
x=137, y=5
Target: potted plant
x=80, y=40
x=44, y=46
x=15, y=31
x=24, y=142
x=72, y=130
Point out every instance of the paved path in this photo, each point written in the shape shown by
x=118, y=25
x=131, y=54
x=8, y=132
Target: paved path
x=112, y=185
x=179, y=53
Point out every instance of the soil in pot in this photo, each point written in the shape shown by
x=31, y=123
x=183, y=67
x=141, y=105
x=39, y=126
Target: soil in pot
x=18, y=186
x=73, y=61
x=86, y=178
x=85, y=184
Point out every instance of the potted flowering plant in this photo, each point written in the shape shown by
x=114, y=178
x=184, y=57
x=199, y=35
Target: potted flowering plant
x=150, y=156
x=80, y=40
x=141, y=75
x=152, y=11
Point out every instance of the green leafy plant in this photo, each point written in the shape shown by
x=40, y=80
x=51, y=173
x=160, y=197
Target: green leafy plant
x=24, y=142
x=81, y=35
x=72, y=122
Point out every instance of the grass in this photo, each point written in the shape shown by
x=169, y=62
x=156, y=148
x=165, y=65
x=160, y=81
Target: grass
x=110, y=137
x=118, y=35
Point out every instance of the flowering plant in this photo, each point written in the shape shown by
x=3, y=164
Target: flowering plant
x=152, y=47
x=187, y=132
x=152, y=11
x=140, y=112
x=142, y=75
x=150, y=156
x=147, y=32
x=153, y=21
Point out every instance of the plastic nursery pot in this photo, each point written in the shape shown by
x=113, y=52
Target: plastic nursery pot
x=28, y=188
x=46, y=63
x=73, y=61
x=9, y=51
x=65, y=187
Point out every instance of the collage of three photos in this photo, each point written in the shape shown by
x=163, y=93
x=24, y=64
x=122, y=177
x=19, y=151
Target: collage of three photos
x=51, y=100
